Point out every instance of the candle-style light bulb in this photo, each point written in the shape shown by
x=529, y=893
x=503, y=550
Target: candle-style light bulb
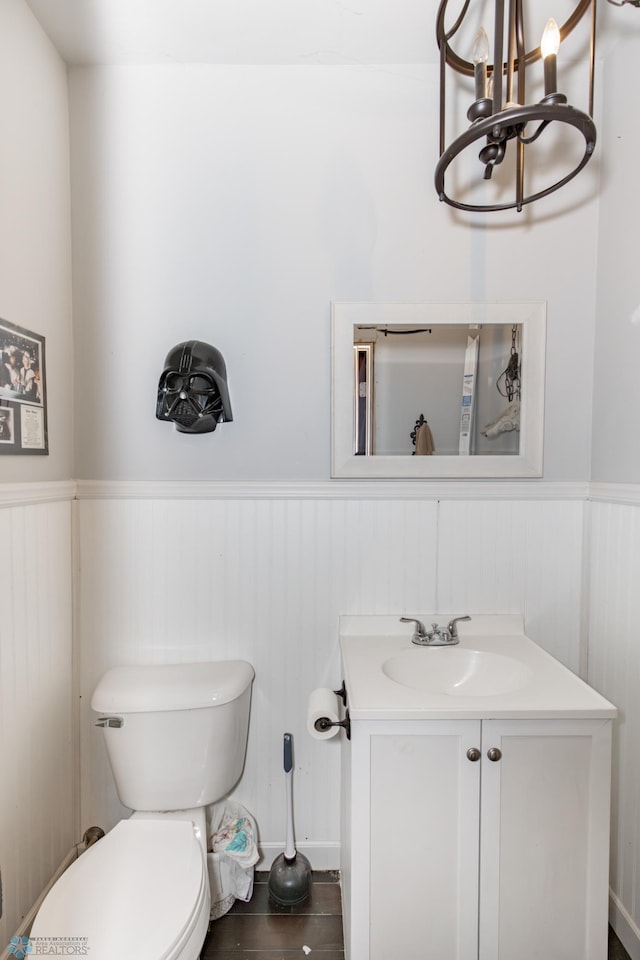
x=549, y=46
x=479, y=56
x=550, y=43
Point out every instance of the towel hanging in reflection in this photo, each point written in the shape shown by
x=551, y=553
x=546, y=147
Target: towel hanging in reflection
x=423, y=440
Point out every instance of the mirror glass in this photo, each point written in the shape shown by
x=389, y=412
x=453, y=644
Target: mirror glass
x=438, y=389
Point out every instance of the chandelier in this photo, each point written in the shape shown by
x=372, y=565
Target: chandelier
x=502, y=126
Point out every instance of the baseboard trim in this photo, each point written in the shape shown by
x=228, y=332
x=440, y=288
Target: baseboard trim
x=626, y=930
x=321, y=856
x=27, y=920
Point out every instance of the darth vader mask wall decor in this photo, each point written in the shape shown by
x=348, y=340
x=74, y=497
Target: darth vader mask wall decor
x=193, y=388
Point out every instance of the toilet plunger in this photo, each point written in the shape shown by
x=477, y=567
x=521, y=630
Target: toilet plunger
x=290, y=874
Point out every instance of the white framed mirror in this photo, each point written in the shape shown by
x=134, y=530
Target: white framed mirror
x=441, y=390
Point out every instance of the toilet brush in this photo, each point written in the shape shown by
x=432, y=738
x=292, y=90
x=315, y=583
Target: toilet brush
x=290, y=874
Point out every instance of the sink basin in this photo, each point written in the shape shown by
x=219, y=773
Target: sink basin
x=495, y=672
x=457, y=671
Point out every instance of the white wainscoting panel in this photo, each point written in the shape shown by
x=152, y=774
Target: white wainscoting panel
x=614, y=670
x=263, y=580
x=37, y=749
x=266, y=579
x=516, y=556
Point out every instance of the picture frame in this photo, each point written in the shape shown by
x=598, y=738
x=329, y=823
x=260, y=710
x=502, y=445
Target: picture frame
x=23, y=398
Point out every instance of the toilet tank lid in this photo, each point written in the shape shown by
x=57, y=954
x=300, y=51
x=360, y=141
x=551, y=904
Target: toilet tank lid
x=180, y=686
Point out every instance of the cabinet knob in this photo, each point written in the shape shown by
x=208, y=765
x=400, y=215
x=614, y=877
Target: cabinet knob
x=473, y=754
x=494, y=754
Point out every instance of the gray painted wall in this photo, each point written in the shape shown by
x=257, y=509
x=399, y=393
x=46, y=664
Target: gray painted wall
x=616, y=449
x=35, y=224
x=233, y=204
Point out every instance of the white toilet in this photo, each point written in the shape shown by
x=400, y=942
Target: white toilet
x=176, y=737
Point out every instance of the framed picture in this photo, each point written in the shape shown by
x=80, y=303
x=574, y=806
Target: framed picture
x=23, y=403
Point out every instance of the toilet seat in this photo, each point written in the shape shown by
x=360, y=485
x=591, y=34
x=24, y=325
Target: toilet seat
x=140, y=891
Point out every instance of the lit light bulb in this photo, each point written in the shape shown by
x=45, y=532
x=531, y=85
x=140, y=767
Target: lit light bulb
x=480, y=55
x=549, y=46
x=550, y=43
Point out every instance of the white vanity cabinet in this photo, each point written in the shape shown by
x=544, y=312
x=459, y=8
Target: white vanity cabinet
x=451, y=855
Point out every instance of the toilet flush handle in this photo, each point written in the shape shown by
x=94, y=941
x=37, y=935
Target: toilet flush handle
x=110, y=722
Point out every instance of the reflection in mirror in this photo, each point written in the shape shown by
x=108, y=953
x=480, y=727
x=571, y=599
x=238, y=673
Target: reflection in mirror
x=363, y=398
x=438, y=389
x=447, y=390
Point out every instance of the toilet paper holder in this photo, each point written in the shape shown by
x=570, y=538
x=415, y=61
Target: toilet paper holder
x=323, y=724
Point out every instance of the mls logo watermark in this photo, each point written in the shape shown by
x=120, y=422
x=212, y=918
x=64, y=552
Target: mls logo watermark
x=21, y=947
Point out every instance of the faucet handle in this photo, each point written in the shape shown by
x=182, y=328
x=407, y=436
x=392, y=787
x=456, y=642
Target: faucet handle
x=452, y=628
x=420, y=630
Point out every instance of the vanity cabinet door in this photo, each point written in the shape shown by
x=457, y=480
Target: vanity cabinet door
x=544, y=839
x=424, y=846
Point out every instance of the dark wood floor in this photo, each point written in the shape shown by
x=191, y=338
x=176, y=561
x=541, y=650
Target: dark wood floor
x=260, y=930
x=616, y=950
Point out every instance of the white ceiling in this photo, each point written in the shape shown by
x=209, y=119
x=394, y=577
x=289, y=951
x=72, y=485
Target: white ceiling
x=241, y=31
x=272, y=31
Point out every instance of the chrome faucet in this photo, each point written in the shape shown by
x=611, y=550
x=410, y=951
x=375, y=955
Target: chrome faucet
x=420, y=635
x=437, y=636
x=452, y=628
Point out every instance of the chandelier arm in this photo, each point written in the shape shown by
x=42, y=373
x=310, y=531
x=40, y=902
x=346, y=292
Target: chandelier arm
x=519, y=175
x=440, y=21
x=497, y=50
x=574, y=19
x=592, y=56
x=525, y=141
x=511, y=50
x=520, y=51
x=520, y=158
x=465, y=67
x=443, y=71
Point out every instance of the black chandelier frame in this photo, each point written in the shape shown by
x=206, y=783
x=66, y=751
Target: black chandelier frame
x=498, y=121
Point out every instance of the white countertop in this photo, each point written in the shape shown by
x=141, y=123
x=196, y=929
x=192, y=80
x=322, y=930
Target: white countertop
x=550, y=690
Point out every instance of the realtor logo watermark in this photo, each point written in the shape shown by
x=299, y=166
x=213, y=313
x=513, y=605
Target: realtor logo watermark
x=21, y=947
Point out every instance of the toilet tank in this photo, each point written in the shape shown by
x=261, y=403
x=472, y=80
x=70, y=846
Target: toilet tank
x=176, y=734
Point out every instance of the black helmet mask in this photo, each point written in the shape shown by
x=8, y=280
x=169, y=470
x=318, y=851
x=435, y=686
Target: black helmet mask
x=193, y=388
